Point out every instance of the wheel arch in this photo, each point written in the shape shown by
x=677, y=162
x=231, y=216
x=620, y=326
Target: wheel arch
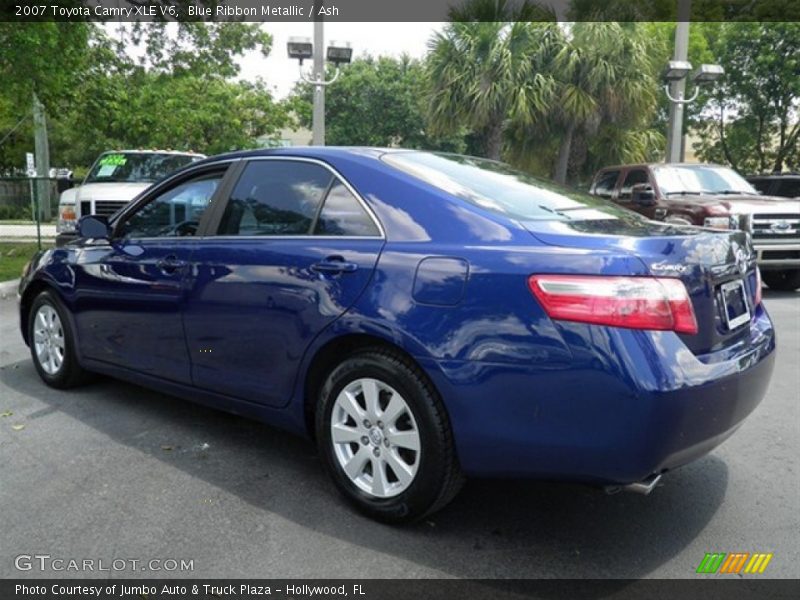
x=331, y=353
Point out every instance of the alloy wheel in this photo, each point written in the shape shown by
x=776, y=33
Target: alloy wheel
x=375, y=437
x=48, y=339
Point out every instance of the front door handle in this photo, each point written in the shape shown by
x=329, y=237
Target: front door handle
x=170, y=264
x=333, y=265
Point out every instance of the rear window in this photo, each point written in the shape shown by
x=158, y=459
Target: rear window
x=499, y=188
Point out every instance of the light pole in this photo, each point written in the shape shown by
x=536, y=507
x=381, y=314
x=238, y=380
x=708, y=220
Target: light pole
x=675, y=76
x=338, y=54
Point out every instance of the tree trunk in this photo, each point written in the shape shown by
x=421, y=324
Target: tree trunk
x=563, y=154
x=494, y=140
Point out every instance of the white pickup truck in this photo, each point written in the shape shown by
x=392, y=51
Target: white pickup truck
x=115, y=179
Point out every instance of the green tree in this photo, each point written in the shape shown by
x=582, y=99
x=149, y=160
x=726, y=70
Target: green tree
x=602, y=108
x=756, y=106
x=375, y=102
x=179, y=95
x=490, y=74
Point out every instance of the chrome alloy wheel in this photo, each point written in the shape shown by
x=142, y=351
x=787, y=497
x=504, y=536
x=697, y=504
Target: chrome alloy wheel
x=375, y=437
x=48, y=339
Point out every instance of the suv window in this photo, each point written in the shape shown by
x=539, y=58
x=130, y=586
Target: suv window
x=789, y=187
x=605, y=184
x=634, y=177
x=762, y=185
x=343, y=215
x=175, y=212
x=275, y=197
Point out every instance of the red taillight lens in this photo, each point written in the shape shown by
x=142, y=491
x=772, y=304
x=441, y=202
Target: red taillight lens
x=758, y=287
x=633, y=302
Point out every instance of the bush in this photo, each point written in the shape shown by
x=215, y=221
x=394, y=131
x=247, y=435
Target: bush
x=14, y=213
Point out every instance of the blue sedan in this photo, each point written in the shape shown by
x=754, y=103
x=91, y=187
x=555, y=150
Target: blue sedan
x=422, y=316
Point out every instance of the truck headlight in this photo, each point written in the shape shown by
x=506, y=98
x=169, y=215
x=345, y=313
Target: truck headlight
x=726, y=222
x=67, y=218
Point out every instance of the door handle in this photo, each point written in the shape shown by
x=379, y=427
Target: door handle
x=333, y=265
x=170, y=264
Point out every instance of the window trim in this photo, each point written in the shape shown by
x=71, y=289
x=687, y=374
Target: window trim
x=214, y=222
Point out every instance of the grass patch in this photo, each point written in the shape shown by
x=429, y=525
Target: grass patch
x=13, y=255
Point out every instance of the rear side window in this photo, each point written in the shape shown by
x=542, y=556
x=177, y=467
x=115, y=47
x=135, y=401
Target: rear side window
x=605, y=184
x=343, y=215
x=788, y=187
x=275, y=197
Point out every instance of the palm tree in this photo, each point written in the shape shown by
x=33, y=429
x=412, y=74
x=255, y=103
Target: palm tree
x=488, y=73
x=605, y=84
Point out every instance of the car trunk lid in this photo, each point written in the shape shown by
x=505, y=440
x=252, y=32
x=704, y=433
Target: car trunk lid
x=717, y=267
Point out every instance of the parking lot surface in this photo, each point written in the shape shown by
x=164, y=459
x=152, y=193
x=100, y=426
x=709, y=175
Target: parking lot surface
x=114, y=471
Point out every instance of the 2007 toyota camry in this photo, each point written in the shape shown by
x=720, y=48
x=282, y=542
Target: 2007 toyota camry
x=423, y=316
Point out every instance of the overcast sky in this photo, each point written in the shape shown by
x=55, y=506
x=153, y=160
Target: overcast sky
x=377, y=39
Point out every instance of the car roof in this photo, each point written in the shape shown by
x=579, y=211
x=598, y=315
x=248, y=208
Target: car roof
x=774, y=176
x=660, y=164
x=143, y=151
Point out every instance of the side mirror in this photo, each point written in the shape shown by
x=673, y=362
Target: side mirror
x=93, y=227
x=643, y=195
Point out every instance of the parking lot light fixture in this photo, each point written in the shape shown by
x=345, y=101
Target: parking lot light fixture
x=707, y=74
x=677, y=70
x=300, y=48
x=339, y=53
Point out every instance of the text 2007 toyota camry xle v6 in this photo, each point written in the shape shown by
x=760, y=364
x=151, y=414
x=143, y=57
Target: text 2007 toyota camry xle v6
x=422, y=316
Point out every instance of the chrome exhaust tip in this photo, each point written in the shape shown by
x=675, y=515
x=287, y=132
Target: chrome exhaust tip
x=643, y=487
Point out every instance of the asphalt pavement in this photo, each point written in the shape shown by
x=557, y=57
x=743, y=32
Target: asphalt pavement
x=113, y=471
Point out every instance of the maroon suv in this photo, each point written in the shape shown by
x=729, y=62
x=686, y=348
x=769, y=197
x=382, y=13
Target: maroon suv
x=712, y=196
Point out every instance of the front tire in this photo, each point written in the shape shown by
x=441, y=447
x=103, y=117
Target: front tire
x=784, y=281
x=385, y=438
x=52, y=343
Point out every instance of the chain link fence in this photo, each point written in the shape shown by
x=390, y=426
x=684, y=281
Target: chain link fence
x=31, y=200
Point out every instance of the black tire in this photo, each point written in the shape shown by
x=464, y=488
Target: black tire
x=438, y=478
x=70, y=373
x=783, y=281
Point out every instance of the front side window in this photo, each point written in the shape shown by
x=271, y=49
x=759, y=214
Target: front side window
x=174, y=213
x=275, y=197
x=605, y=184
x=633, y=178
x=789, y=188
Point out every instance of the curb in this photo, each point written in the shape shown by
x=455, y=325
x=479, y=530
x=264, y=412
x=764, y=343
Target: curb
x=8, y=289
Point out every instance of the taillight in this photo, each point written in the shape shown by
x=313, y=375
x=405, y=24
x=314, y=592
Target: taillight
x=634, y=302
x=758, y=287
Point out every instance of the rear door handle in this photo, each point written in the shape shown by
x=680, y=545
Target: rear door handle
x=170, y=264
x=333, y=265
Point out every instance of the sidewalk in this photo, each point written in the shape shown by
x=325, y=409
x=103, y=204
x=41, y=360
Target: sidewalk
x=25, y=233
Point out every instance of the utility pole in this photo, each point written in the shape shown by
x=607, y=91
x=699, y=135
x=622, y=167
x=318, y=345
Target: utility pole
x=318, y=126
x=42, y=152
x=678, y=88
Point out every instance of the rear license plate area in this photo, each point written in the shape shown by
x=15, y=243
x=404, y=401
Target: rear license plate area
x=734, y=303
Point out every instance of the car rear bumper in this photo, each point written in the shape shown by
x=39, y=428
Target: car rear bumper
x=632, y=405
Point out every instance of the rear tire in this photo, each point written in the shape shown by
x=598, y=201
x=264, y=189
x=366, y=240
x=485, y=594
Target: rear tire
x=785, y=281
x=52, y=343
x=385, y=437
